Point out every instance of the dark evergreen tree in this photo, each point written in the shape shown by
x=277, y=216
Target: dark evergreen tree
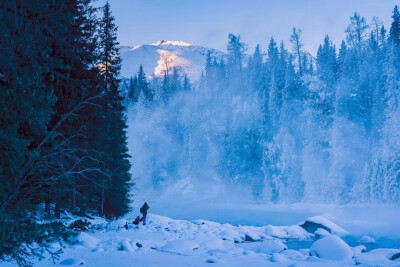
x=132, y=89
x=236, y=50
x=295, y=39
x=186, y=83
x=142, y=85
x=394, y=32
x=114, y=200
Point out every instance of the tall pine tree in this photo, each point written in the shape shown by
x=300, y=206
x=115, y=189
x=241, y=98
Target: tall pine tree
x=115, y=197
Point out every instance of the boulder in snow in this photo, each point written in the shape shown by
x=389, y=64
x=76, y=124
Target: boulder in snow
x=125, y=245
x=267, y=246
x=389, y=253
x=366, y=240
x=293, y=231
x=372, y=259
x=313, y=223
x=332, y=248
x=293, y=254
x=85, y=240
x=320, y=232
x=277, y=257
x=359, y=249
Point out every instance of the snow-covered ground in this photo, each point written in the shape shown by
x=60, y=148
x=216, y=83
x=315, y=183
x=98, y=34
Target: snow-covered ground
x=315, y=241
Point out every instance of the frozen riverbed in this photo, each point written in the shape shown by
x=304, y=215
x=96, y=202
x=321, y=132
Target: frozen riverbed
x=256, y=235
x=376, y=220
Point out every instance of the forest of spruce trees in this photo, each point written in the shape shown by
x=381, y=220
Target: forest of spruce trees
x=62, y=122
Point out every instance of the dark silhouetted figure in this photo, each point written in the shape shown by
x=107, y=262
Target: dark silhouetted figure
x=143, y=211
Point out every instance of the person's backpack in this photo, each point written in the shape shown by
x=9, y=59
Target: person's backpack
x=141, y=210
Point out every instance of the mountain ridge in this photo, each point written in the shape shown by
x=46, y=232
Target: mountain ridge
x=157, y=57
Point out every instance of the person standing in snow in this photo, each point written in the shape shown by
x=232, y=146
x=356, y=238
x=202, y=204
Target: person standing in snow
x=143, y=211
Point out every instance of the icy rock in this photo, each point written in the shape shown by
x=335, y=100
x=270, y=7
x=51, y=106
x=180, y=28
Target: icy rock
x=267, y=246
x=372, y=259
x=293, y=254
x=72, y=261
x=219, y=245
x=359, y=249
x=293, y=231
x=126, y=245
x=251, y=233
x=389, y=253
x=320, y=232
x=231, y=235
x=313, y=223
x=250, y=238
x=211, y=260
x=85, y=240
x=332, y=248
x=275, y=231
x=276, y=257
x=297, y=232
x=366, y=240
x=304, y=251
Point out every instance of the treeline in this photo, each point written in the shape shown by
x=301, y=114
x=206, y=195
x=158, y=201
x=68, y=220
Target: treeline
x=62, y=124
x=138, y=86
x=292, y=126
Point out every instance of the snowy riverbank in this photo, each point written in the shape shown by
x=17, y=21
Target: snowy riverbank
x=169, y=242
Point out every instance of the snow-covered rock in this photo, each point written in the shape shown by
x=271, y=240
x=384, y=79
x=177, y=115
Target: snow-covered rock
x=372, y=259
x=389, y=253
x=84, y=240
x=287, y=232
x=126, y=245
x=294, y=254
x=320, y=232
x=359, y=249
x=267, y=246
x=313, y=223
x=332, y=248
x=215, y=246
x=366, y=240
x=277, y=257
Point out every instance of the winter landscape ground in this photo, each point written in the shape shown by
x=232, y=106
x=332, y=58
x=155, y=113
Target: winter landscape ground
x=370, y=238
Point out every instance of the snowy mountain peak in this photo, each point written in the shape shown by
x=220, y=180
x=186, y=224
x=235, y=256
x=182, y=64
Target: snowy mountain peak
x=188, y=58
x=177, y=43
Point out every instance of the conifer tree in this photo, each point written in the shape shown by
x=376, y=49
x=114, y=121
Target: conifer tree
x=394, y=32
x=295, y=39
x=114, y=200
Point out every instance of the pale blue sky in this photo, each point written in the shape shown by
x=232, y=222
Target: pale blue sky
x=208, y=22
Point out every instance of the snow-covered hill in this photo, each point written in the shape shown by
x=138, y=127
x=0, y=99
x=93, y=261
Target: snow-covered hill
x=159, y=56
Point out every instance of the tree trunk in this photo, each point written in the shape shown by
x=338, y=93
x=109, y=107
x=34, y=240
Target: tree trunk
x=57, y=209
x=101, y=208
x=47, y=206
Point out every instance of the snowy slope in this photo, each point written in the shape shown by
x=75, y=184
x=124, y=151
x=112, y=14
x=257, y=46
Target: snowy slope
x=190, y=58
